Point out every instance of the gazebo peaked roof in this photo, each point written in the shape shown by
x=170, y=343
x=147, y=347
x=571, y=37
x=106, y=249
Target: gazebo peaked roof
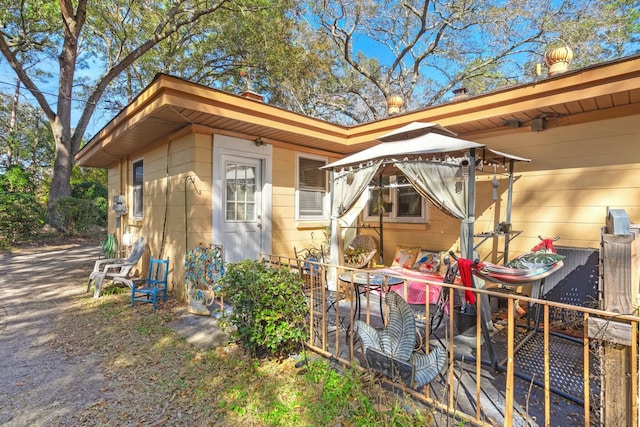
x=414, y=130
x=417, y=138
x=408, y=143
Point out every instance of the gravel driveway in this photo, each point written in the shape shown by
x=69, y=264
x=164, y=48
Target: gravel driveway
x=39, y=384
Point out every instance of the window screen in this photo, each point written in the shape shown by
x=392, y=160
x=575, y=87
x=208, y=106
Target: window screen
x=312, y=187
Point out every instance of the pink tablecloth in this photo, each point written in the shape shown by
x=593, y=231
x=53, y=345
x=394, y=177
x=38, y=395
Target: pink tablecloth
x=416, y=286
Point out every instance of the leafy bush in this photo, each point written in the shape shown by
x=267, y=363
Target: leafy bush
x=89, y=190
x=21, y=216
x=269, y=308
x=97, y=193
x=76, y=216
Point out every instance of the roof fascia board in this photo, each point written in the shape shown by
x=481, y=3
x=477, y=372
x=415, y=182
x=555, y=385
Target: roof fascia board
x=573, y=119
x=571, y=86
x=229, y=105
x=233, y=102
x=264, y=115
x=519, y=104
x=130, y=116
x=164, y=90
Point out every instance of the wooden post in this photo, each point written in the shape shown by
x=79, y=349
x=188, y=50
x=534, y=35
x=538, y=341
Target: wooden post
x=619, y=288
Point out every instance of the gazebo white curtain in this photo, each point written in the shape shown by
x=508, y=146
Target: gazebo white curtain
x=347, y=186
x=446, y=184
x=442, y=182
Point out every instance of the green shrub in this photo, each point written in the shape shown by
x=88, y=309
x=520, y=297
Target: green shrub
x=21, y=217
x=269, y=308
x=97, y=193
x=89, y=190
x=76, y=216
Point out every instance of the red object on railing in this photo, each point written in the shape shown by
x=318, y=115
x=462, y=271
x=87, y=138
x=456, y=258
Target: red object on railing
x=546, y=244
x=464, y=268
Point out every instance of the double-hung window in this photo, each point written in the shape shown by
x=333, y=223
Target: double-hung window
x=311, y=190
x=396, y=199
x=138, y=189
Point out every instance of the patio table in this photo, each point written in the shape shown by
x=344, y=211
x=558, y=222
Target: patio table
x=367, y=281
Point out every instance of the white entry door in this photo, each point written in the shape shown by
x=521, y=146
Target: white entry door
x=242, y=208
x=241, y=197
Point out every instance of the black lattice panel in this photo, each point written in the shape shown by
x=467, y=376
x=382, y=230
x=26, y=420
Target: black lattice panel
x=566, y=365
x=575, y=284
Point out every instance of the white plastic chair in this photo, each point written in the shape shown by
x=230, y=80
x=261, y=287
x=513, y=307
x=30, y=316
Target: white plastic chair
x=115, y=268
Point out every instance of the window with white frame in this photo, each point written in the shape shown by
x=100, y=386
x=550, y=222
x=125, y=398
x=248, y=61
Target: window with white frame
x=138, y=189
x=396, y=199
x=311, y=191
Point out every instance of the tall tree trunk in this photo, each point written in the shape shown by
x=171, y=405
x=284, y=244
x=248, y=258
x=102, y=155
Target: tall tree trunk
x=68, y=140
x=61, y=123
x=63, y=165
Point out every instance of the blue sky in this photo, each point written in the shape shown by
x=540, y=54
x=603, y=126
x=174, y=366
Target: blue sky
x=50, y=90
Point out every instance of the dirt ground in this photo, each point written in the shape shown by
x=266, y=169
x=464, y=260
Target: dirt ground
x=40, y=385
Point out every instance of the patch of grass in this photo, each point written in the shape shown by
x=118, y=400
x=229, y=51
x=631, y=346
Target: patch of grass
x=114, y=290
x=152, y=375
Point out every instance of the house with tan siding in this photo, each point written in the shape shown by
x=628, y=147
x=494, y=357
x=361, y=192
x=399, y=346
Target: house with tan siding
x=197, y=165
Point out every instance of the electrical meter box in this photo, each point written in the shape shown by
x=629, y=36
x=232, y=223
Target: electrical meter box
x=118, y=205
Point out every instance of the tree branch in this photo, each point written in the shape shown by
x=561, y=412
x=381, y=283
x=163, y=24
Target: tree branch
x=119, y=67
x=18, y=68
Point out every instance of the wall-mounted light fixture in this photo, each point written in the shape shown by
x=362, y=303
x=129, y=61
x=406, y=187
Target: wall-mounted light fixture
x=537, y=124
x=259, y=142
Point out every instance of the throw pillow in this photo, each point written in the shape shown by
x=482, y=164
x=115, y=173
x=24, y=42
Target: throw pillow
x=427, y=262
x=405, y=257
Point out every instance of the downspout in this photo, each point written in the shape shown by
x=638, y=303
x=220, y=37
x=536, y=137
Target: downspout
x=188, y=178
x=471, y=203
x=119, y=218
x=483, y=299
x=334, y=256
x=166, y=200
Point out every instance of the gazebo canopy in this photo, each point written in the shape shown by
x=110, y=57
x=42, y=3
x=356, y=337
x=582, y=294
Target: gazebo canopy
x=417, y=139
x=434, y=162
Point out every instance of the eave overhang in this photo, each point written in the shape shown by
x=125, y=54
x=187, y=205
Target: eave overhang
x=170, y=104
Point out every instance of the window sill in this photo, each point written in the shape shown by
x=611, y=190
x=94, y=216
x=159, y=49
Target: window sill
x=311, y=224
x=398, y=225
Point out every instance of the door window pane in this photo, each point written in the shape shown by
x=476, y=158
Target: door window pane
x=241, y=186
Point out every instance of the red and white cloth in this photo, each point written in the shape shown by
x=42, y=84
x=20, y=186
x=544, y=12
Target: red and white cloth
x=417, y=287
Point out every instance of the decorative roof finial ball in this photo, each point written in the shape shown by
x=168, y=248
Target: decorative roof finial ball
x=558, y=59
x=394, y=103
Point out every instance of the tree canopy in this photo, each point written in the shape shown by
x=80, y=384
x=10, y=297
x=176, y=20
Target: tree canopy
x=25, y=138
x=45, y=42
x=422, y=49
x=339, y=60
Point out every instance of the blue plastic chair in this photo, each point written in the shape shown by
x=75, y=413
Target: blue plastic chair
x=147, y=290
